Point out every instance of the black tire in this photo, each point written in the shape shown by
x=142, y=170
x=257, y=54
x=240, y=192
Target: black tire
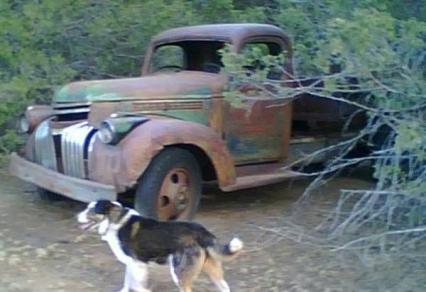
x=172, y=169
x=48, y=196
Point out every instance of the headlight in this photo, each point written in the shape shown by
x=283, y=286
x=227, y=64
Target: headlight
x=112, y=130
x=106, y=133
x=24, y=124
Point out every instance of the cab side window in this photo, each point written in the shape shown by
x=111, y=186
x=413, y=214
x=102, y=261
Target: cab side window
x=168, y=57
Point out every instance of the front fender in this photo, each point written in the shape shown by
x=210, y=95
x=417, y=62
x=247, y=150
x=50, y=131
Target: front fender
x=134, y=153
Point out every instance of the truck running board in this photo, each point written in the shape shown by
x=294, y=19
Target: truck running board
x=257, y=180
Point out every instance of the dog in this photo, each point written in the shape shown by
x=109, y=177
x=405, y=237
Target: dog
x=188, y=248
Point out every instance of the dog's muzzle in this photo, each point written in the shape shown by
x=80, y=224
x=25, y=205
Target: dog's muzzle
x=88, y=226
x=84, y=222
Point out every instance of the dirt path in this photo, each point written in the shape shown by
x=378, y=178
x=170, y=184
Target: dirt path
x=42, y=250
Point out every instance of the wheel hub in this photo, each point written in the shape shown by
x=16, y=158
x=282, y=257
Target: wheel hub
x=175, y=195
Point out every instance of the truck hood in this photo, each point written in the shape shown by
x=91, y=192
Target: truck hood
x=186, y=84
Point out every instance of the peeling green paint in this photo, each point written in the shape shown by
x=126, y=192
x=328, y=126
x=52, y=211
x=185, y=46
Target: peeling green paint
x=85, y=94
x=185, y=84
x=121, y=126
x=124, y=124
x=200, y=92
x=199, y=117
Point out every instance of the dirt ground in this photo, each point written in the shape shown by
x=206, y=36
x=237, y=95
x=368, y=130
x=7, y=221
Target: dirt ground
x=41, y=248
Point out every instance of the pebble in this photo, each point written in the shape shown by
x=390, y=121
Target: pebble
x=14, y=260
x=41, y=252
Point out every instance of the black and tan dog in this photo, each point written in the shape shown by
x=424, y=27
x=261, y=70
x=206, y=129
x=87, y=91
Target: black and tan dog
x=187, y=247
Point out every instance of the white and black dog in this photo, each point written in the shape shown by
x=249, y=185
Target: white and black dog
x=187, y=247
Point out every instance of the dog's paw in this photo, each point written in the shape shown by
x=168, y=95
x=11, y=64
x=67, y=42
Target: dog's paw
x=235, y=245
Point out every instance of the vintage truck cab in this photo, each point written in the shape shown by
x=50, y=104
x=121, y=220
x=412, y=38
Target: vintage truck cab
x=160, y=136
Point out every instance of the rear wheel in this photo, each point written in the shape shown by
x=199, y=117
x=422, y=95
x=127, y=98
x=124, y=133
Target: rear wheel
x=170, y=188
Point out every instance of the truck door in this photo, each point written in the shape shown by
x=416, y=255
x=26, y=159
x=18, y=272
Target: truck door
x=258, y=129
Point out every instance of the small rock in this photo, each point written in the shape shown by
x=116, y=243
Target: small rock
x=14, y=260
x=41, y=252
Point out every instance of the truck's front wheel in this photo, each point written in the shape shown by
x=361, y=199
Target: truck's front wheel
x=170, y=188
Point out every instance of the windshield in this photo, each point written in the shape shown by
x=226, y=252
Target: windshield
x=188, y=55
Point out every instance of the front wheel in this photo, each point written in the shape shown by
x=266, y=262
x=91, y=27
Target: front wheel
x=170, y=188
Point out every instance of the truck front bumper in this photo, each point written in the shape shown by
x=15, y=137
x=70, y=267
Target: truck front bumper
x=71, y=187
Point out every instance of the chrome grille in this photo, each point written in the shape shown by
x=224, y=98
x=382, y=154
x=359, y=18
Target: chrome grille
x=71, y=111
x=74, y=149
x=44, y=146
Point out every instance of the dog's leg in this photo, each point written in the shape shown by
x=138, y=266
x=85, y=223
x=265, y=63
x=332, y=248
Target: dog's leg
x=174, y=272
x=214, y=270
x=185, y=267
x=135, y=278
x=127, y=278
x=138, y=277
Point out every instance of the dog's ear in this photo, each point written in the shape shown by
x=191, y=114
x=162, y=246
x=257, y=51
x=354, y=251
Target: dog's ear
x=103, y=207
x=116, y=212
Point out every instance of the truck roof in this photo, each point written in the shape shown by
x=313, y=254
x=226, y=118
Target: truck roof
x=233, y=33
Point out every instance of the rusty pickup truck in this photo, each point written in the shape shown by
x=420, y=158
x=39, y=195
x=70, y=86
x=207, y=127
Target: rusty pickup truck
x=160, y=136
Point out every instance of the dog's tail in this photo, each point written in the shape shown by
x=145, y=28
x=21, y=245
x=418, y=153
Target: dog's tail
x=226, y=252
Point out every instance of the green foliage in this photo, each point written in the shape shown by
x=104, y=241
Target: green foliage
x=411, y=137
